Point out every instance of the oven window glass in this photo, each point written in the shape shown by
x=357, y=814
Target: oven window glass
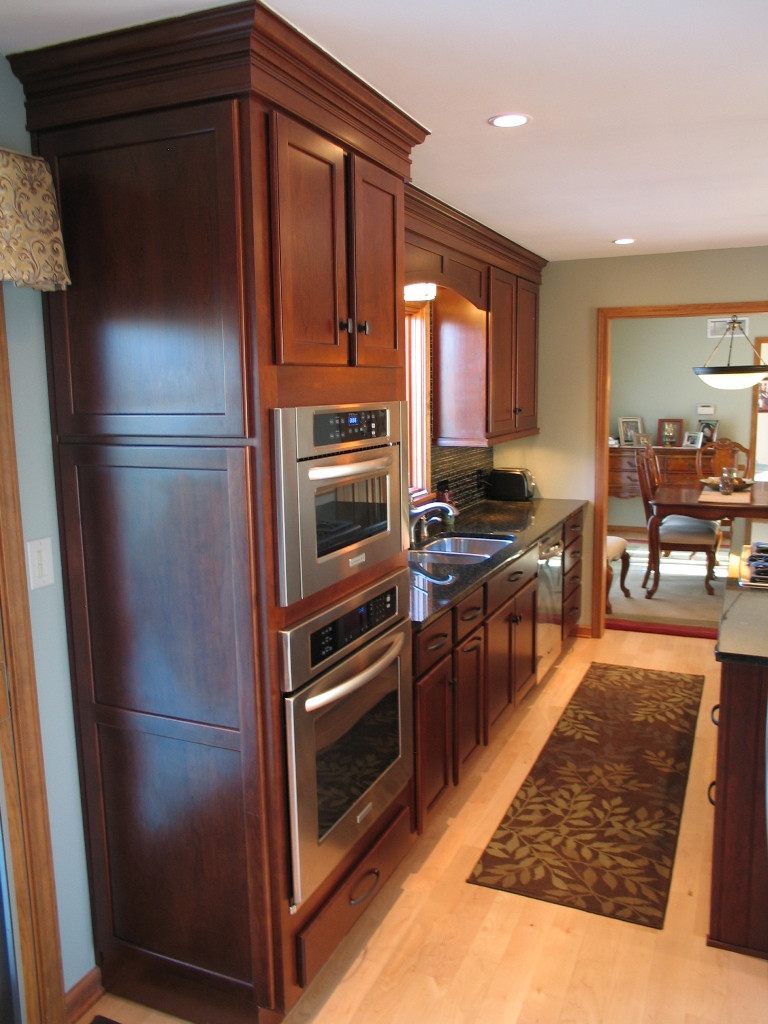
x=350, y=512
x=357, y=739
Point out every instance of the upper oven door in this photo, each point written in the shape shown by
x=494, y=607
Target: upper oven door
x=337, y=513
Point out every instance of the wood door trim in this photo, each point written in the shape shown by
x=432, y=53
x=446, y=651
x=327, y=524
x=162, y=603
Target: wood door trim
x=21, y=748
x=605, y=318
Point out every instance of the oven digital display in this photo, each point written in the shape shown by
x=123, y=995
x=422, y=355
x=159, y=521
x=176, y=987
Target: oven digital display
x=334, y=428
x=337, y=635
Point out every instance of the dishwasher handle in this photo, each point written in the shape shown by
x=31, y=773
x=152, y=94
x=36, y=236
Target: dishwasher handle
x=553, y=551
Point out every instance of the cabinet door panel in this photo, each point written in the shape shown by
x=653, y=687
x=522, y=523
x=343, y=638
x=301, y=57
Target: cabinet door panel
x=174, y=831
x=432, y=719
x=469, y=673
x=158, y=563
x=502, y=299
x=309, y=214
x=148, y=338
x=499, y=679
x=526, y=355
x=524, y=665
x=378, y=265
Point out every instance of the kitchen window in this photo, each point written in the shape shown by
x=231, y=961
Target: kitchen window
x=418, y=321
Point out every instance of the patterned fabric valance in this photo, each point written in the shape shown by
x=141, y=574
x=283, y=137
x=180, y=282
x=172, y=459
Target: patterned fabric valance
x=31, y=246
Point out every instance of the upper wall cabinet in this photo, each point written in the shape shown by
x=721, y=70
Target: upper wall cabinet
x=485, y=330
x=148, y=339
x=339, y=230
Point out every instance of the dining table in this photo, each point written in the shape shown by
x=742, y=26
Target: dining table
x=701, y=502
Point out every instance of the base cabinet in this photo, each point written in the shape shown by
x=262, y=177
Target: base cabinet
x=511, y=661
x=739, y=897
x=470, y=667
x=573, y=543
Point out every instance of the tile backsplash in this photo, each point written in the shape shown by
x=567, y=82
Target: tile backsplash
x=459, y=466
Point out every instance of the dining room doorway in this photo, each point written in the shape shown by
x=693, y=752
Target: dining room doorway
x=607, y=320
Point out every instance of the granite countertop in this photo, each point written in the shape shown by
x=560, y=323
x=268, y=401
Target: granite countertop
x=444, y=585
x=742, y=635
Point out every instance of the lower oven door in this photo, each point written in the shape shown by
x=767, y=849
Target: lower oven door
x=349, y=738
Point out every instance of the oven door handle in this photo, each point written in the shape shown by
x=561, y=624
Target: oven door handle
x=355, y=682
x=340, y=472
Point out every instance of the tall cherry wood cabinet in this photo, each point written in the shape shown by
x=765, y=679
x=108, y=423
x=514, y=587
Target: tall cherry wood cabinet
x=232, y=209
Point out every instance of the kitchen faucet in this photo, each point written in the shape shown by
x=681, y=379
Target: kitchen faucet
x=420, y=518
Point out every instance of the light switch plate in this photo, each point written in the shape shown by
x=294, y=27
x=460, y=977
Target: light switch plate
x=40, y=563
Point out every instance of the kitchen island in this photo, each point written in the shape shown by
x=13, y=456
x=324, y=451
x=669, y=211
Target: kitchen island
x=739, y=895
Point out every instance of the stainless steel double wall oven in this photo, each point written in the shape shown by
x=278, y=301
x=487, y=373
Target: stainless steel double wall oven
x=346, y=671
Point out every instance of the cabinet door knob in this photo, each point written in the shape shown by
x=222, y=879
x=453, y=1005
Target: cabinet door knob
x=347, y=325
x=364, y=327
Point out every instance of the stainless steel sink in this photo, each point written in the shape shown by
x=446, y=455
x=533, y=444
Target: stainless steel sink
x=468, y=547
x=458, y=549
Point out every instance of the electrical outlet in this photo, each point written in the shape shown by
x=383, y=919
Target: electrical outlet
x=40, y=563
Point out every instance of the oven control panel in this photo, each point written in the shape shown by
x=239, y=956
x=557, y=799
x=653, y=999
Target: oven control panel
x=343, y=425
x=310, y=647
x=342, y=632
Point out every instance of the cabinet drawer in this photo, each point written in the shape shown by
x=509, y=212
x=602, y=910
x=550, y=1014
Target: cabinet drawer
x=572, y=579
x=318, y=940
x=571, y=612
x=468, y=613
x=510, y=579
x=430, y=644
x=572, y=556
x=573, y=528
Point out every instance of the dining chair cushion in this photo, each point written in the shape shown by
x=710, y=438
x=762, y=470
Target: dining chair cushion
x=614, y=548
x=682, y=529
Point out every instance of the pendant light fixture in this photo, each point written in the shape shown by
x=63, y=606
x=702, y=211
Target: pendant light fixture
x=731, y=377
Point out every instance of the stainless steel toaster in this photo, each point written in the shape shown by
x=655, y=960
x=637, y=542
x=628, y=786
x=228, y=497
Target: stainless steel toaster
x=511, y=485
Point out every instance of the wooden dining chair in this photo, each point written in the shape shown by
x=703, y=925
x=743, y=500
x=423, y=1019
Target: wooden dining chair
x=715, y=456
x=676, y=533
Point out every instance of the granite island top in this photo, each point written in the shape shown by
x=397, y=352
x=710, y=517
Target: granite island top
x=445, y=584
x=743, y=633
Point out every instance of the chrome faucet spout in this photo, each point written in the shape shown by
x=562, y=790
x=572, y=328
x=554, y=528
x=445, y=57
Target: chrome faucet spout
x=420, y=517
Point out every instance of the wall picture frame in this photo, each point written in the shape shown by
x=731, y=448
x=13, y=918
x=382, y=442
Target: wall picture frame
x=692, y=439
x=709, y=430
x=628, y=426
x=669, y=433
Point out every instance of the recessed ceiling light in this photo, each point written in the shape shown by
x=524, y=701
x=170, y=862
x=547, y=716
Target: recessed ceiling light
x=508, y=120
x=624, y=241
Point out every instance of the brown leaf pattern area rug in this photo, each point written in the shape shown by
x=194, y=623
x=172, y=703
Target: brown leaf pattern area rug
x=595, y=824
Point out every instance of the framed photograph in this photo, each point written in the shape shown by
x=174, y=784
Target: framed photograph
x=670, y=433
x=708, y=429
x=638, y=440
x=692, y=439
x=629, y=425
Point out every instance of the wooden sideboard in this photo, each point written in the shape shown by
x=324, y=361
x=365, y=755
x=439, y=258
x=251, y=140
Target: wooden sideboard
x=676, y=464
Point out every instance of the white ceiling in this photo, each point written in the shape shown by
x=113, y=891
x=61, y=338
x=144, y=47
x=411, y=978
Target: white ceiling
x=649, y=117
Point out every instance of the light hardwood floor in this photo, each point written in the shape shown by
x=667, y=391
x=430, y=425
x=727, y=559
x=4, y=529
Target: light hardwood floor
x=433, y=948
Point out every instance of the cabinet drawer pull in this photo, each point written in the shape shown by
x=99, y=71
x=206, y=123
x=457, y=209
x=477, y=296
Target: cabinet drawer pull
x=473, y=645
x=374, y=872
x=711, y=793
x=715, y=714
x=517, y=619
x=515, y=576
x=471, y=614
x=438, y=642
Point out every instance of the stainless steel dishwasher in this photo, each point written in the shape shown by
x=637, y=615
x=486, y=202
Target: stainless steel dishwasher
x=549, y=603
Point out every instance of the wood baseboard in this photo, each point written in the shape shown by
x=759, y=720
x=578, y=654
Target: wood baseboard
x=83, y=995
